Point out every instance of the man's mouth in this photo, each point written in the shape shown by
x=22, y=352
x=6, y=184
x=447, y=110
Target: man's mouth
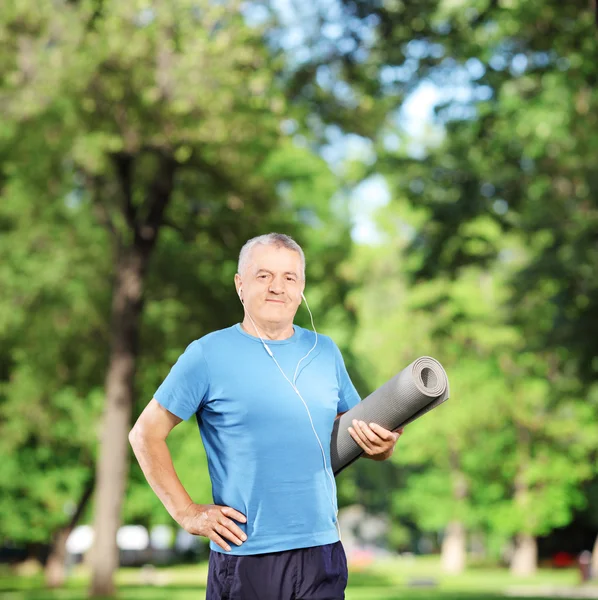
x=275, y=301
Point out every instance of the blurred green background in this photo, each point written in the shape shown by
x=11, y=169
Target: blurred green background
x=437, y=160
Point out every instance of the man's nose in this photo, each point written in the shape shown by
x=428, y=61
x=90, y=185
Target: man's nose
x=277, y=285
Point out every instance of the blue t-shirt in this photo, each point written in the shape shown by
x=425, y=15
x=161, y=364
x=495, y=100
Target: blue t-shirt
x=263, y=457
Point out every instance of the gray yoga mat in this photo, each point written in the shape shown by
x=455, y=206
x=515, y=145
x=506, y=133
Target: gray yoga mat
x=413, y=392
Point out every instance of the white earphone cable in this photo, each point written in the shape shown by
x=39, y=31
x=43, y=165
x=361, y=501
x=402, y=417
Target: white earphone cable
x=294, y=386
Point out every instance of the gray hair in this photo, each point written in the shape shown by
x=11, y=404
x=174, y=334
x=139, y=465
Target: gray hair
x=279, y=240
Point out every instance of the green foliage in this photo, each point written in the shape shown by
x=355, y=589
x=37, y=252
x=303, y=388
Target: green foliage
x=100, y=102
x=509, y=450
x=53, y=309
x=487, y=260
x=500, y=257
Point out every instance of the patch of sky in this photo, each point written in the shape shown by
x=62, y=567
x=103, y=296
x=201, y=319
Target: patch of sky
x=342, y=148
x=145, y=16
x=309, y=217
x=347, y=45
x=300, y=141
x=74, y=198
x=367, y=198
x=332, y=31
x=500, y=206
x=390, y=75
x=310, y=31
x=294, y=37
x=518, y=64
x=459, y=112
x=541, y=59
x=417, y=186
x=288, y=126
x=487, y=189
x=490, y=28
x=255, y=14
x=391, y=141
x=498, y=62
x=417, y=49
x=344, y=94
x=443, y=28
x=372, y=21
x=482, y=93
x=475, y=68
x=325, y=78
x=436, y=50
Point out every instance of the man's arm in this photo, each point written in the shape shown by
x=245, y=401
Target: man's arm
x=148, y=440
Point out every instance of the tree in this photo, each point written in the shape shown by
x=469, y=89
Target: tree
x=53, y=304
x=513, y=159
x=509, y=451
x=154, y=106
x=163, y=126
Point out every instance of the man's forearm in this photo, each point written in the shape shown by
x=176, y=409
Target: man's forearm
x=156, y=463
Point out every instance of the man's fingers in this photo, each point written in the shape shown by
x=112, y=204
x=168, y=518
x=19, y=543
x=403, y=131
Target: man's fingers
x=233, y=514
x=381, y=432
x=227, y=534
x=356, y=437
x=360, y=438
x=370, y=436
x=219, y=541
x=234, y=528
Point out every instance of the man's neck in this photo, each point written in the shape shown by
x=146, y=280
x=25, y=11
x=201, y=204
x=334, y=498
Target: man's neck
x=269, y=331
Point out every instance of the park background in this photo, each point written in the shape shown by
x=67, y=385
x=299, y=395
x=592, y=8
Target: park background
x=437, y=160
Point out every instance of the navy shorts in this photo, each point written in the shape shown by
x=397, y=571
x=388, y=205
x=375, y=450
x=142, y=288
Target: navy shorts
x=317, y=573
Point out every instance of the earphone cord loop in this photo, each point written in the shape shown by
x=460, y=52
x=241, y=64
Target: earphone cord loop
x=333, y=485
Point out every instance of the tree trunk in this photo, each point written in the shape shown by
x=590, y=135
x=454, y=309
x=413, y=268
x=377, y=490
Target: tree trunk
x=114, y=453
x=453, y=551
x=524, y=562
x=594, y=566
x=55, y=573
x=55, y=569
x=127, y=303
x=454, y=545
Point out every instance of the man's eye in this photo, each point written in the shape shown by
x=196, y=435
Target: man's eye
x=290, y=279
x=261, y=276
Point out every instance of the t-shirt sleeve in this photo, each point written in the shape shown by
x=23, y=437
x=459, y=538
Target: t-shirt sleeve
x=186, y=386
x=347, y=395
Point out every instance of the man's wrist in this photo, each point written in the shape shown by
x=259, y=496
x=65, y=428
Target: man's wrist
x=380, y=457
x=180, y=514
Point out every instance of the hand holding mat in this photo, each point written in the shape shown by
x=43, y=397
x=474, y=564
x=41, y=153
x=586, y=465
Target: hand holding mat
x=416, y=390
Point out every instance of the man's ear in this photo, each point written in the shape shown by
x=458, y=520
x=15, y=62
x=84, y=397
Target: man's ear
x=238, y=283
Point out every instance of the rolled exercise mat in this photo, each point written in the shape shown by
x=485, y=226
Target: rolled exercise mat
x=413, y=392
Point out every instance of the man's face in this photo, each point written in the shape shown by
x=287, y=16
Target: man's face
x=272, y=284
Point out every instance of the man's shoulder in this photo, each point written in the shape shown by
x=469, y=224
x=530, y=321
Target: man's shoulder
x=325, y=342
x=216, y=338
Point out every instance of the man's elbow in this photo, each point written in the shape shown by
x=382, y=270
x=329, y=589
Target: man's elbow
x=135, y=435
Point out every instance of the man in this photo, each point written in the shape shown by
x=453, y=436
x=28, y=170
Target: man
x=265, y=394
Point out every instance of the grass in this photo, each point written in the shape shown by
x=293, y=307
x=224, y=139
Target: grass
x=397, y=579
